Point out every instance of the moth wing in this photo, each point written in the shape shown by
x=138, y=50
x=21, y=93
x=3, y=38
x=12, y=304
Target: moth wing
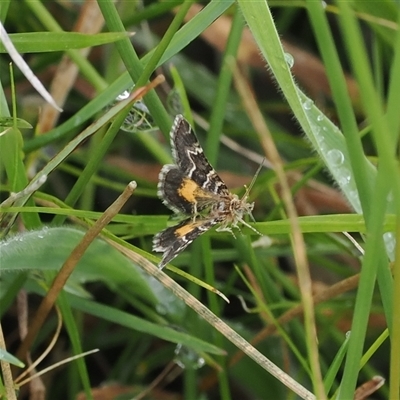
x=171, y=179
x=190, y=158
x=182, y=194
x=174, y=240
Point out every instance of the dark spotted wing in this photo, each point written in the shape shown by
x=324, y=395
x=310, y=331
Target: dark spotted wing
x=171, y=178
x=181, y=193
x=174, y=240
x=190, y=158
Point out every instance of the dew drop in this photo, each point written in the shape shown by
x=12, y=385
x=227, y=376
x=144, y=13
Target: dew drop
x=289, y=60
x=335, y=157
x=317, y=130
x=320, y=117
x=161, y=309
x=124, y=95
x=345, y=177
x=187, y=358
x=307, y=105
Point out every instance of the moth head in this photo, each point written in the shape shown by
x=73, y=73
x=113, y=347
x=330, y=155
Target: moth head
x=240, y=207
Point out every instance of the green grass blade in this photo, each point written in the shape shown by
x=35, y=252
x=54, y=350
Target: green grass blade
x=36, y=42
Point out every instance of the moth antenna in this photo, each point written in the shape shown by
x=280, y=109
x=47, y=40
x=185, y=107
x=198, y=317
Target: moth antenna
x=246, y=194
x=253, y=181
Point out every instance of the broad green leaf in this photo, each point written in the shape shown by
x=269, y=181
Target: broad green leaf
x=47, y=249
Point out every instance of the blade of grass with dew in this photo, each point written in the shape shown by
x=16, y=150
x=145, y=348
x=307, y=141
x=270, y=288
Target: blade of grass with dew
x=296, y=236
x=326, y=138
x=347, y=117
x=393, y=121
x=334, y=153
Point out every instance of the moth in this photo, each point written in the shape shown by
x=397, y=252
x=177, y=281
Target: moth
x=192, y=187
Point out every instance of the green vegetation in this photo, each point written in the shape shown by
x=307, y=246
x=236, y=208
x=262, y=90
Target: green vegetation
x=316, y=84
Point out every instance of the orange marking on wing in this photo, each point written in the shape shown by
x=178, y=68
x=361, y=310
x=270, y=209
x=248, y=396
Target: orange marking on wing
x=191, y=191
x=185, y=229
x=187, y=190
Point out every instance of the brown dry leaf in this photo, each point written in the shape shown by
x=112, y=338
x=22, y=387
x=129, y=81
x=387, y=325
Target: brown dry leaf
x=369, y=387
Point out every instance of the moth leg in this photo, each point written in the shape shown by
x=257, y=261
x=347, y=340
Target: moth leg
x=194, y=211
x=225, y=229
